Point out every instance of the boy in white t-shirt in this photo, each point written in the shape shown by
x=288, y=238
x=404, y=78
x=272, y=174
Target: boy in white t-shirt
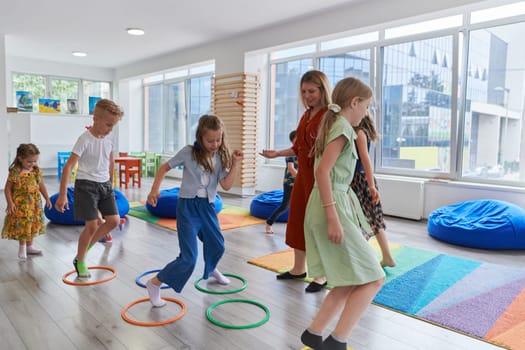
x=93, y=183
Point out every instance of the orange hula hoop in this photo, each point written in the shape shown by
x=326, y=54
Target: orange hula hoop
x=90, y=283
x=153, y=324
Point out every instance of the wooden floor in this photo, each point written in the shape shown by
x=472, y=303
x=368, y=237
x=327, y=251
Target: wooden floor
x=39, y=311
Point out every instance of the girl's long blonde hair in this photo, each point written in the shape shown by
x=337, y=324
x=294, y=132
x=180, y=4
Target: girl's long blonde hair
x=210, y=122
x=367, y=125
x=344, y=93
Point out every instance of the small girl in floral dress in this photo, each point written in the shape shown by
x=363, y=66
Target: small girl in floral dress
x=24, y=214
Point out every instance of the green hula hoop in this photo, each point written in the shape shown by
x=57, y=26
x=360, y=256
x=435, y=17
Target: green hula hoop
x=230, y=326
x=240, y=289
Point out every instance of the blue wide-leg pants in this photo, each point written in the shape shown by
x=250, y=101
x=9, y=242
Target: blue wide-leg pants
x=196, y=218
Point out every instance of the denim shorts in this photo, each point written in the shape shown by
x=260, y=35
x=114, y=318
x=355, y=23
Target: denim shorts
x=92, y=197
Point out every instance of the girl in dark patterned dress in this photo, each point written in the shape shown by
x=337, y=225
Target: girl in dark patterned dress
x=364, y=185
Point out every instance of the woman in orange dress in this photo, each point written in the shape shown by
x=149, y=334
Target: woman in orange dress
x=315, y=95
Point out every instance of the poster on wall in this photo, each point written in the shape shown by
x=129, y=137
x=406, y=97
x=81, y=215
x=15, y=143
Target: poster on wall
x=48, y=105
x=72, y=105
x=24, y=101
x=92, y=102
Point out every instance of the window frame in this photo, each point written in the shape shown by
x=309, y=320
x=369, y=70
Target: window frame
x=459, y=59
x=175, y=76
x=378, y=94
x=49, y=90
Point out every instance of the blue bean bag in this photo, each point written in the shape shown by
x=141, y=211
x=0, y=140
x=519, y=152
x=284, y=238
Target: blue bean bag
x=486, y=224
x=263, y=205
x=68, y=218
x=167, y=204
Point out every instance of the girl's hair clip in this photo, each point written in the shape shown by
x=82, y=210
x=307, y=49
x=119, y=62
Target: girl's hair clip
x=334, y=107
x=196, y=146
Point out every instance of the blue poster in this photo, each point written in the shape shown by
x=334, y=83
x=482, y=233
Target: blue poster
x=24, y=101
x=92, y=102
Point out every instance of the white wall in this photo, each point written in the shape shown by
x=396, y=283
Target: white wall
x=131, y=127
x=4, y=161
x=50, y=133
x=439, y=193
x=29, y=65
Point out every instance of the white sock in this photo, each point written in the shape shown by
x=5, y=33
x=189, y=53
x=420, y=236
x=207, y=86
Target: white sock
x=32, y=250
x=22, y=254
x=220, y=277
x=154, y=294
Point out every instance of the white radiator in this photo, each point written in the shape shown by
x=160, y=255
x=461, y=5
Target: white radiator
x=401, y=196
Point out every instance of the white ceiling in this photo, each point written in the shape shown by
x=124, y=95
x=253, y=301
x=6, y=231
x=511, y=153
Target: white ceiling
x=51, y=30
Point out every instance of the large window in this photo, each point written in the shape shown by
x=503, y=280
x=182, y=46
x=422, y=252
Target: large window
x=42, y=86
x=350, y=64
x=175, y=131
x=64, y=89
x=154, y=130
x=285, y=105
x=35, y=84
x=417, y=105
x=493, y=124
x=199, y=102
x=174, y=102
x=100, y=89
x=450, y=92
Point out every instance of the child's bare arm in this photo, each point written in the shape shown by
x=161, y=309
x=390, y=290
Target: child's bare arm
x=154, y=193
x=322, y=177
x=43, y=190
x=269, y=153
x=227, y=181
x=362, y=150
x=11, y=208
x=111, y=167
x=61, y=203
x=291, y=169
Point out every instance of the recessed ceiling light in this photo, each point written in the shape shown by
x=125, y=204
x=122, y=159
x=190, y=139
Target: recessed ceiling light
x=79, y=54
x=135, y=31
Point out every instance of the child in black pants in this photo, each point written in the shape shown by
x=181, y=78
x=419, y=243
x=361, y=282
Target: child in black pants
x=289, y=178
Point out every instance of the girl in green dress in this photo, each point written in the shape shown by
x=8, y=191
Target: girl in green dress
x=335, y=247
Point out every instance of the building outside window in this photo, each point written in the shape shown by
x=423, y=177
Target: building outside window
x=416, y=105
x=493, y=125
x=350, y=64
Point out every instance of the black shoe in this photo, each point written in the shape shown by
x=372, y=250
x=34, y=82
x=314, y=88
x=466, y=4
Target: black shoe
x=288, y=276
x=80, y=275
x=315, y=287
x=75, y=264
x=313, y=341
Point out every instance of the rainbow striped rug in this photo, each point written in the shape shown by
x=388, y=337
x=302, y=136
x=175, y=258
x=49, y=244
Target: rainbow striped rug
x=230, y=217
x=482, y=300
